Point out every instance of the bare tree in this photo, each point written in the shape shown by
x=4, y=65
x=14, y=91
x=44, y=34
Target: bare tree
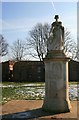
x=38, y=40
x=77, y=54
x=70, y=46
x=3, y=46
x=19, y=50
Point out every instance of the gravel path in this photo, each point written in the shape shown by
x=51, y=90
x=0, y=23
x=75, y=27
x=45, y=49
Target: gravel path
x=31, y=109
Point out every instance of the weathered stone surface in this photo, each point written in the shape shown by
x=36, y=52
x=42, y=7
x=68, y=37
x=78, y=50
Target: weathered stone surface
x=56, y=36
x=56, y=74
x=56, y=89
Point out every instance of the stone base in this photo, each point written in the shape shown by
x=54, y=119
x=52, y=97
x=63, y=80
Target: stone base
x=56, y=82
x=56, y=54
x=57, y=106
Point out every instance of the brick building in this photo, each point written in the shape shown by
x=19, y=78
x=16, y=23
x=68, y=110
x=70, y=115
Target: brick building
x=30, y=71
x=33, y=71
x=73, y=71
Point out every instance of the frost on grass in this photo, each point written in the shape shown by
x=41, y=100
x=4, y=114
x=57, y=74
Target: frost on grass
x=31, y=93
x=34, y=92
x=74, y=92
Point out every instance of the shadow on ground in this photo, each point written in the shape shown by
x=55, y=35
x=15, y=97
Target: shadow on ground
x=35, y=113
x=31, y=115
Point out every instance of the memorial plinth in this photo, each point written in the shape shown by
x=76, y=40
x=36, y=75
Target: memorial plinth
x=56, y=80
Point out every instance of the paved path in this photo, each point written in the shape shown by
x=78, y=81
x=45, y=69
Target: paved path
x=31, y=109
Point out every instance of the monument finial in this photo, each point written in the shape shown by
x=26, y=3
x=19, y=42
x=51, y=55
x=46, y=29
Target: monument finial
x=56, y=17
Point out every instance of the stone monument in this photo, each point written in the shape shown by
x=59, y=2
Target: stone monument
x=56, y=71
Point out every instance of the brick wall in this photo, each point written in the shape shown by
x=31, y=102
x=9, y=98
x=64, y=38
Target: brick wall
x=0, y=72
x=30, y=71
x=73, y=71
x=33, y=71
x=5, y=71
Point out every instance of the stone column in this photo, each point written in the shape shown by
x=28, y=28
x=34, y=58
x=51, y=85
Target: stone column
x=56, y=82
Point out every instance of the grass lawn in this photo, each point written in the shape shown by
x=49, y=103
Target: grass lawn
x=22, y=91
x=26, y=91
x=22, y=83
x=73, y=82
